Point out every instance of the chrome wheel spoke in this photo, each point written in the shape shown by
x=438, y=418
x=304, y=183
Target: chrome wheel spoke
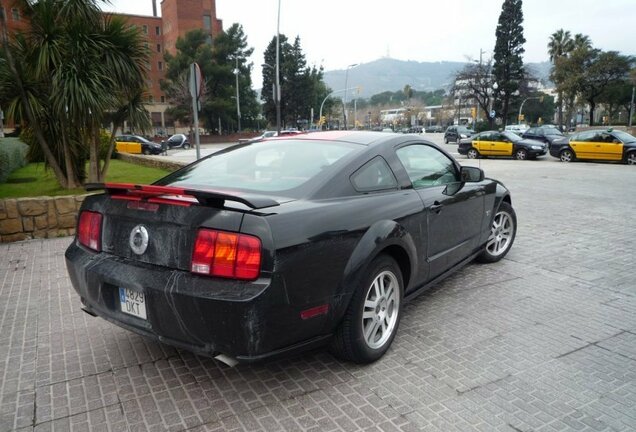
x=380, y=310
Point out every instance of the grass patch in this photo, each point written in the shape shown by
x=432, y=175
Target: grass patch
x=33, y=180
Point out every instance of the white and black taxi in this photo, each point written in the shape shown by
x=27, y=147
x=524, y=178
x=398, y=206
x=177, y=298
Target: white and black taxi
x=506, y=143
x=597, y=145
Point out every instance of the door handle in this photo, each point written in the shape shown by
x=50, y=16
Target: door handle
x=436, y=207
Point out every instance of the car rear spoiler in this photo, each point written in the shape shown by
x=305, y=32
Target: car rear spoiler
x=177, y=195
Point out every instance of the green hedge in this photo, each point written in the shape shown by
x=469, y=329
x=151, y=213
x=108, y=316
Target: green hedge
x=12, y=156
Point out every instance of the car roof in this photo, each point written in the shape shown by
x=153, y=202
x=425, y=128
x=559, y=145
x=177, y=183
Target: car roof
x=366, y=138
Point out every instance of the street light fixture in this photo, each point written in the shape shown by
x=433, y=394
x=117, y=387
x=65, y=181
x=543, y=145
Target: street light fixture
x=345, y=93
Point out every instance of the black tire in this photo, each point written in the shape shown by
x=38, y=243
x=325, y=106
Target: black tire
x=566, y=155
x=445, y=140
x=349, y=342
x=146, y=152
x=186, y=146
x=472, y=153
x=630, y=159
x=521, y=154
x=503, y=228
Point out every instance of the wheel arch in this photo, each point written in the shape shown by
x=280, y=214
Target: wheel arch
x=383, y=237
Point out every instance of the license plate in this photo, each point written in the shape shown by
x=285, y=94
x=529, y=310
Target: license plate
x=132, y=302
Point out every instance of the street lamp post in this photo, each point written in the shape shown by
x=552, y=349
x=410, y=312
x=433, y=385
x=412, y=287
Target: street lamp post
x=521, y=107
x=327, y=97
x=495, y=86
x=275, y=94
x=345, y=93
x=278, y=71
x=238, y=103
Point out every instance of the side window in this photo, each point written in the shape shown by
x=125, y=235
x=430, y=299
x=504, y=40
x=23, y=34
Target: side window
x=375, y=175
x=585, y=136
x=427, y=166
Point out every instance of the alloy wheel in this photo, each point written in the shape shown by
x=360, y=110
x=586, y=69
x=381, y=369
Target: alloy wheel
x=631, y=158
x=566, y=156
x=501, y=234
x=381, y=309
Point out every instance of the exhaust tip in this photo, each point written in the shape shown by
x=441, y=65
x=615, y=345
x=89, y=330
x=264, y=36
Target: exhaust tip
x=230, y=361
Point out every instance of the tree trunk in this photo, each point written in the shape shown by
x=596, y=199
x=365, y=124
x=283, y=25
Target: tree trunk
x=50, y=158
x=109, y=154
x=592, y=107
x=93, y=165
x=560, y=107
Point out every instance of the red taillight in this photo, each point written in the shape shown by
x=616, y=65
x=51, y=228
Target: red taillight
x=89, y=230
x=224, y=254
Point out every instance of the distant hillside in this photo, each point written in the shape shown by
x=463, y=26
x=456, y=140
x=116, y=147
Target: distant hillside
x=388, y=74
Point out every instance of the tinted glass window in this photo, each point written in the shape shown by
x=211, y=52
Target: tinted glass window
x=624, y=136
x=266, y=166
x=585, y=136
x=551, y=131
x=427, y=166
x=373, y=176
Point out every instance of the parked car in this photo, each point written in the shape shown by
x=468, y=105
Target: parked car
x=494, y=143
x=266, y=134
x=456, y=133
x=136, y=144
x=597, y=144
x=178, y=141
x=519, y=129
x=286, y=244
x=434, y=129
x=546, y=134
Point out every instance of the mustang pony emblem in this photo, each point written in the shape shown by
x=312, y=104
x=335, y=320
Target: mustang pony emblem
x=139, y=239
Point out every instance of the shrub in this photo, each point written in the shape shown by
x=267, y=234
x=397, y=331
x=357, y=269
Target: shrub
x=12, y=156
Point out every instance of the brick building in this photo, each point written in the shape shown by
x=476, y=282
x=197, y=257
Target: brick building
x=161, y=32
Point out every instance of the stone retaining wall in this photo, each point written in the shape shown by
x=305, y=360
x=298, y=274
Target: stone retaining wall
x=40, y=217
x=151, y=161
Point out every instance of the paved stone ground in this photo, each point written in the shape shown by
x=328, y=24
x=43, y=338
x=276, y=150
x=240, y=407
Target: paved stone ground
x=543, y=341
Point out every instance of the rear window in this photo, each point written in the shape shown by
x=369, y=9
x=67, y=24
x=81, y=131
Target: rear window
x=269, y=167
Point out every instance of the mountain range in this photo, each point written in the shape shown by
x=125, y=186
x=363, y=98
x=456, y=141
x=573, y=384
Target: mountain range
x=387, y=74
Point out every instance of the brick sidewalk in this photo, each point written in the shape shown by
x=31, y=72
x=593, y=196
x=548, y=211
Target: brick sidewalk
x=542, y=341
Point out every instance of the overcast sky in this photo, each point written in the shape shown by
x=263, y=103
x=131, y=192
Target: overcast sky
x=336, y=33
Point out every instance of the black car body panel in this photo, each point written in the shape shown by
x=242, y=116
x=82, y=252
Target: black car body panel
x=544, y=134
x=317, y=244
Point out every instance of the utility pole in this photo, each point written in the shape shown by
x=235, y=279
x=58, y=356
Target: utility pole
x=278, y=119
x=238, y=103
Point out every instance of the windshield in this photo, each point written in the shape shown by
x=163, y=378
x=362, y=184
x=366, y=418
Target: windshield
x=268, y=166
x=552, y=131
x=624, y=136
x=464, y=130
x=512, y=136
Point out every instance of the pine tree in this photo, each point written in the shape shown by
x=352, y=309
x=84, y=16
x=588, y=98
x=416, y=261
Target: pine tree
x=508, y=70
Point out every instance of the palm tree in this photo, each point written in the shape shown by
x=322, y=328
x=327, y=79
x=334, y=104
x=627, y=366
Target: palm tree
x=72, y=67
x=559, y=46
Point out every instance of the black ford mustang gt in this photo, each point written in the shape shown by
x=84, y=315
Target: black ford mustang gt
x=286, y=244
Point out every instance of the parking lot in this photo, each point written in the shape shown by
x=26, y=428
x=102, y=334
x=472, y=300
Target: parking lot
x=544, y=340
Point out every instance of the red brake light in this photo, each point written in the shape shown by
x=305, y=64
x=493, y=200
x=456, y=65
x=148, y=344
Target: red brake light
x=224, y=254
x=89, y=230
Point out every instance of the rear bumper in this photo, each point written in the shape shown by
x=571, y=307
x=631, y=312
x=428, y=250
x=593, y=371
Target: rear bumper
x=249, y=321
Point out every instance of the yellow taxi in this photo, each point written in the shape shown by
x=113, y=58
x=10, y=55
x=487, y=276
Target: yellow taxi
x=506, y=143
x=597, y=144
x=136, y=144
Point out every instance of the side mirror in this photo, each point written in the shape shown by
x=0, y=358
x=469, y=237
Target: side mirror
x=471, y=174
